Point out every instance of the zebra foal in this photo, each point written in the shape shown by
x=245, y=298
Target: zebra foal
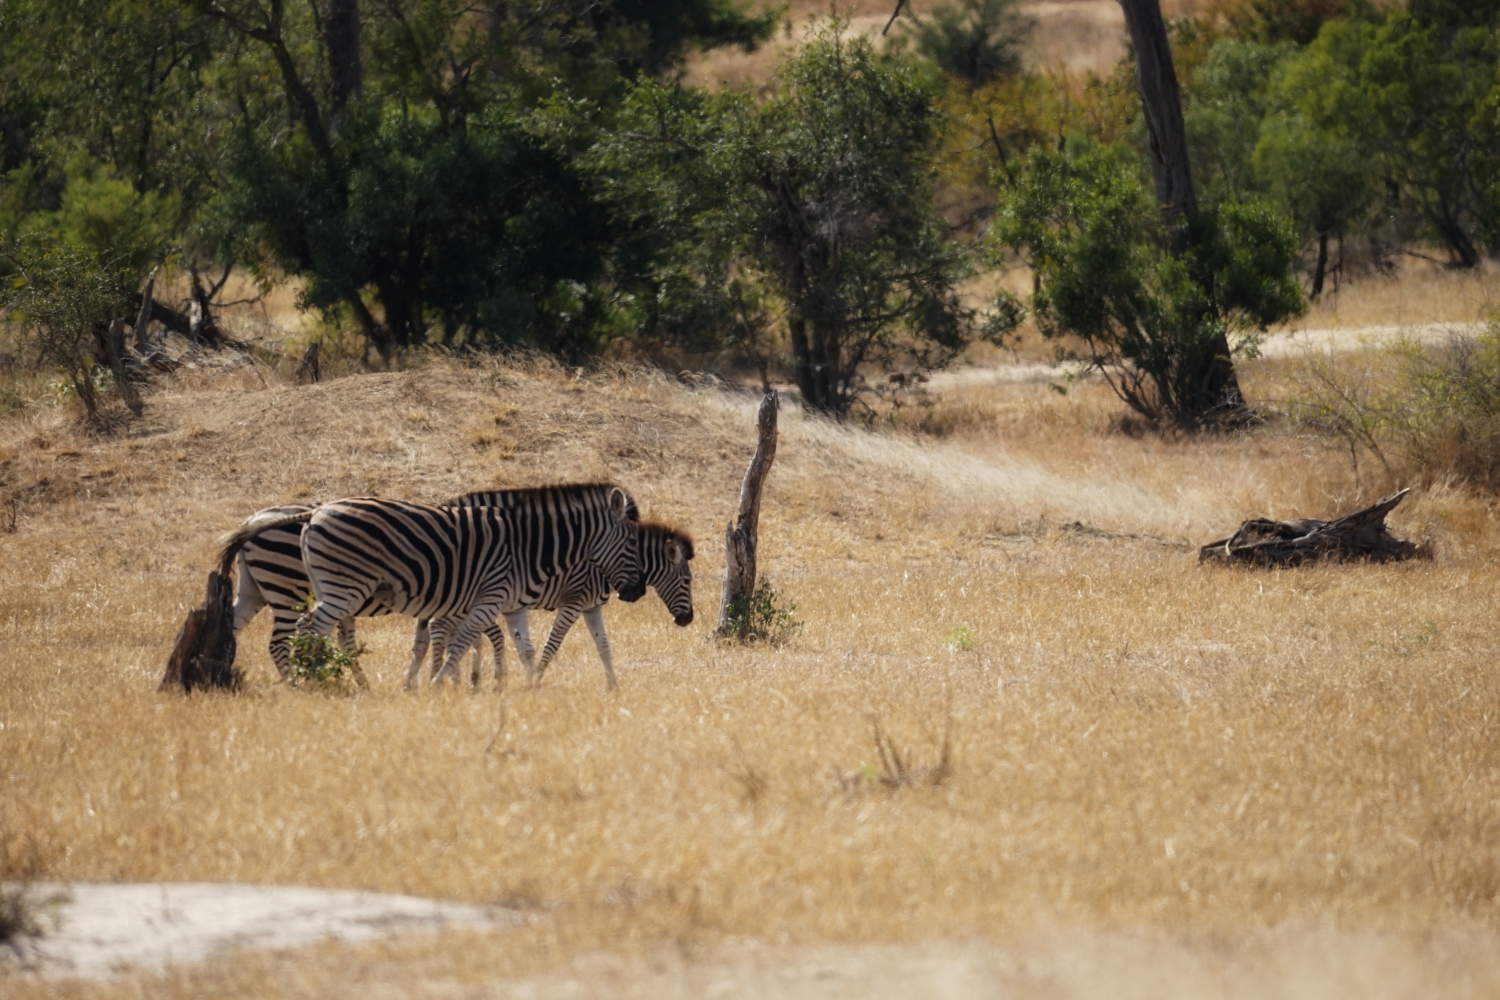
x=664, y=556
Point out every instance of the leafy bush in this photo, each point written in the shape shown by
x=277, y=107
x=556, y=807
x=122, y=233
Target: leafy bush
x=61, y=300
x=1420, y=413
x=484, y=232
x=761, y=618
x=318, y=662
x=977, y=41
x=1150, y=316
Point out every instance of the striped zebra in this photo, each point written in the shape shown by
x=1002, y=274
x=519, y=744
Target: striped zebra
x=556, y=519
x=664, y=552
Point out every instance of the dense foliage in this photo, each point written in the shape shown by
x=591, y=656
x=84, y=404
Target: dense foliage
x=1148, y=314
x=536, y=173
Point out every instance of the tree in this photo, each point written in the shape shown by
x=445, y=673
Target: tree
x=1272, y=21
x=1414, y=94
x=1231, y=92
x=1320, y=177
x=977, y=41
x=832, y=211
x=1151, y=318
x=483, y=230
x=62, y=301
x=413, y=192
x=1215, y=387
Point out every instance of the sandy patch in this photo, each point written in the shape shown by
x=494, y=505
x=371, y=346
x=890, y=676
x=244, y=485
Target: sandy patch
x=98, y=930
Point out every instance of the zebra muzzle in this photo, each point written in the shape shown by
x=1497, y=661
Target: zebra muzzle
x=633, y=591
x=686, y=618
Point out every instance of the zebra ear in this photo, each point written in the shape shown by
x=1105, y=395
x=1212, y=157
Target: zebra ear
x=674, y=551
x=617, y=504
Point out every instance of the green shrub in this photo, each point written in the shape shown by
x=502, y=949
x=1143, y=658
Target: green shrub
x=318, y=662
x=762, y=618
x=1421, y=413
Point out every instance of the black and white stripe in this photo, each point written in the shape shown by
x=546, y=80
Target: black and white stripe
x=664, y=556
x=557, y=529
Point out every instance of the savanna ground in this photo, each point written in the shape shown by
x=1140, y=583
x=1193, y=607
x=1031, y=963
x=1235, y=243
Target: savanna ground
x=1160, y=779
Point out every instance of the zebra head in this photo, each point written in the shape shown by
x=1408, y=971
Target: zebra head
x=617, y=548
x=665, y=553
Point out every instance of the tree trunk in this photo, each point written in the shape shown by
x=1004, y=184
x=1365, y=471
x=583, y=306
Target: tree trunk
x=1162, y=104
x=345, y=72
x=1317, y=285
x=203, y=655
x=1218, y=388
x=309, y=369
x=143, y=318
x=802, y=363
x=1460, y=246
x=202, y=327
x=375, y=333
x=740, y=538
x=116, y=346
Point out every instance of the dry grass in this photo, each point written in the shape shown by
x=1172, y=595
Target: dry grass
x=1418, y=291
x=1247, y=782
x=1080, y=36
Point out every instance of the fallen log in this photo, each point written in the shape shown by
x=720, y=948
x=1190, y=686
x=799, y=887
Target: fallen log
x=203, y=655
x=1357, y=536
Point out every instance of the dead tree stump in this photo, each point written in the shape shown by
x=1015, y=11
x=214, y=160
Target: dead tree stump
x=309, y=369
x=203, y=656
x=740, y=537
x=1357, y=536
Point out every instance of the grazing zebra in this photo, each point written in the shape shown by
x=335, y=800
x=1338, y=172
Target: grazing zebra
x=272, y=572
x=664, y=552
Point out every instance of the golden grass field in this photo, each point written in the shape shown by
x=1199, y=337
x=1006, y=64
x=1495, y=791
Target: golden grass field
x=1163, y=780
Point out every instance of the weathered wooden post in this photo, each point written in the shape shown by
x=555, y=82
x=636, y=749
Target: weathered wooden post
x=740, y=537
x=203, y=656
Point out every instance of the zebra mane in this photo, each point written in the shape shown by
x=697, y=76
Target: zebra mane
x=665, y=531
x=487, y=498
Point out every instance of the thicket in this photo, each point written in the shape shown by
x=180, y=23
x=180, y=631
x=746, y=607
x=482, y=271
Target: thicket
x=1412, y=413
x=537, y=174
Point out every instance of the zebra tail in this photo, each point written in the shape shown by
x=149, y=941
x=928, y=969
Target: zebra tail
x=236, y=539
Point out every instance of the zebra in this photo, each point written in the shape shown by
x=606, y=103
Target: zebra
x=272, y=571
x=664, y=552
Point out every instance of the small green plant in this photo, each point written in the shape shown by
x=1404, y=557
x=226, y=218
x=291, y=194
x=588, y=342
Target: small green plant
x=961, y=639
x=763, y=618
x=318, y=662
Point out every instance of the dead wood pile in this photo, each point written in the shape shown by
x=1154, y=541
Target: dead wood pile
x=1356, y=536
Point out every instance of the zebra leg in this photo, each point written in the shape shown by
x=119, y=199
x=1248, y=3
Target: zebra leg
x=442, y=632
x=566, y=616
x=518, y=623
x=594, y=619
x=463, y=637
x=496, y=636
x=346, y=643
x=346, y=634
x=283, y=627
x=419, y=644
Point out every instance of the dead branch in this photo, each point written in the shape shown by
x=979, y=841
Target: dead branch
x=740, y=538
